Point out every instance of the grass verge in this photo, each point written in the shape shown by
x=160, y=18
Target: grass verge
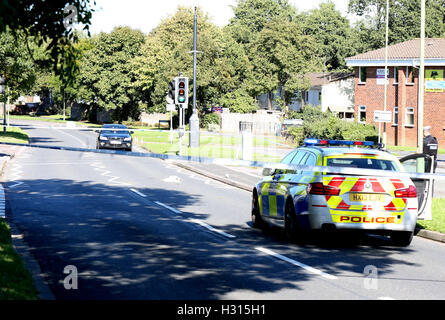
x=14, y=135
x=438, y=221
x=16, y=282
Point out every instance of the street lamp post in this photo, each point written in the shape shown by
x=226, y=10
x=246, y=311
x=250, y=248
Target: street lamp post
x=194, y=119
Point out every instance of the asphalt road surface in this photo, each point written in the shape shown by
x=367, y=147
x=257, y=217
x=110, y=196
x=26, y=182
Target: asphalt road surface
x=141, y=228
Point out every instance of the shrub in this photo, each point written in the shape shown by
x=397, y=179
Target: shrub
x=210, y=118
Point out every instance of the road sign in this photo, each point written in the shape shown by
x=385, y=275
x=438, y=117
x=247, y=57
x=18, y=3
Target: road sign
x=382, y=116
x=170, y=107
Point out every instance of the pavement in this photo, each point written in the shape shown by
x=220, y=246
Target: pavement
x=20, y=246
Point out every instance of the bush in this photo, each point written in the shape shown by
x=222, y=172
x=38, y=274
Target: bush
x=324, y=125
x=210, y=118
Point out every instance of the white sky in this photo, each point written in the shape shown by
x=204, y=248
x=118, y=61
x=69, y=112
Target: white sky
x=147, y=14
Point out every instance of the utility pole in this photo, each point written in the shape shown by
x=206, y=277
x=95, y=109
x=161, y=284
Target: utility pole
x=194, y=119
x=421, y=79
x=386, y=70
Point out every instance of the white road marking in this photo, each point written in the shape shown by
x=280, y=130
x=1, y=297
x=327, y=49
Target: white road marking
x=138, y=193
x=173, y=179
x=196, y=221
x=209, y=227
x=72, y=136
x=296, y=263
x=168, y=207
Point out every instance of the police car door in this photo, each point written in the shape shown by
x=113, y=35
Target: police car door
x=268, y=193
x=278, y=190
x=421, y=163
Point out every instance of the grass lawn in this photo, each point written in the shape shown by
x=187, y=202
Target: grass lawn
x=213, y=146
x=438, y=221
x=13, y=134
x=409, y=149
x=16, y=282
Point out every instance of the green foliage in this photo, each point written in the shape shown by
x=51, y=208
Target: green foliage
x=324, y=125
x=15, y=65
x=333, y=34
x=105, y=73
x=404, y=21
x=239, y=101
x=210, y=118
x=41, y=21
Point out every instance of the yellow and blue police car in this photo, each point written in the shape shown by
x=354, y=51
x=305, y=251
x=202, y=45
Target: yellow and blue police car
x=298, y=200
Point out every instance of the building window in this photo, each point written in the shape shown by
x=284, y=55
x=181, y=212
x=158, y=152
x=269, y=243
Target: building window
x=409, y=120
x=396, y=75
x=362, y=74
x=362, y=113
x=409, y=75
x=395, y=121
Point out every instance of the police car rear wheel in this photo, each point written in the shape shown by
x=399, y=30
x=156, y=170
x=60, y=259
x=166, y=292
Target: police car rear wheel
x=401, y=238
x=290, y=222
x=257, y=222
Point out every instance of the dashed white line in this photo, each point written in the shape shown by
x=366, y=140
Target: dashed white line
x=167, y=207
x=138, y=193
x=296, y=263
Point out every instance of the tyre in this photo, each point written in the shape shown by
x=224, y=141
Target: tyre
x=257, y=221
x=402, y=238
x=291, y=228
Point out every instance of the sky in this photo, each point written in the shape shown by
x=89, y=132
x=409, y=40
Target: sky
x=147, y=14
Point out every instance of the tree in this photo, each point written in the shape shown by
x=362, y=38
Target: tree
x=333, y=33
x=222, y=65
x=43, y=22
x=404, y=21
x=281, y=55
x=15, y=65
x=105, y=73
x=251, y=16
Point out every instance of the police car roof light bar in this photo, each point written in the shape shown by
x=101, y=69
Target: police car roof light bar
x=322, y=142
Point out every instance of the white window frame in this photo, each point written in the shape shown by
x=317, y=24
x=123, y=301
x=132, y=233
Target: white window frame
x=407, y=80
x=409, y=111
x=361, y=108
x=360, y=75
x=395, y=119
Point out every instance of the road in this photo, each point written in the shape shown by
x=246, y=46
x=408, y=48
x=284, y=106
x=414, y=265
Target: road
x=141, y=228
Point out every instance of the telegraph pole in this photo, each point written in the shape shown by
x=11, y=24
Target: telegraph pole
x=386, y=71
x=421, y=79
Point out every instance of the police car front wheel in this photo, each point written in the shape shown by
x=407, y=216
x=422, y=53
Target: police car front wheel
x=257, y=222
x=290, y=222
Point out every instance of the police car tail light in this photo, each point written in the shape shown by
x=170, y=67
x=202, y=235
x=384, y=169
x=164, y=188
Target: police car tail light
x=409, y=192
x=321, y=189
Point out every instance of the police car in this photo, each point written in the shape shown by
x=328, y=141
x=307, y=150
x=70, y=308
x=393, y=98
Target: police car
x=297, y=199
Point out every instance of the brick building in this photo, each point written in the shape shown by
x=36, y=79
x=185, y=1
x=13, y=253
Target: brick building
x=402, y=88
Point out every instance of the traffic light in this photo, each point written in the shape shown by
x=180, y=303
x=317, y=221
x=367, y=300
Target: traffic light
x=171, y=92
x=181, y=91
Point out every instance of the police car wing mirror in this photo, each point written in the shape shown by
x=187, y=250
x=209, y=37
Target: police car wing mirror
x=268, y=171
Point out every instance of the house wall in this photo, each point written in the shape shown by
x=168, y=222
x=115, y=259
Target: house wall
x=338, y=95
x=403, y=96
